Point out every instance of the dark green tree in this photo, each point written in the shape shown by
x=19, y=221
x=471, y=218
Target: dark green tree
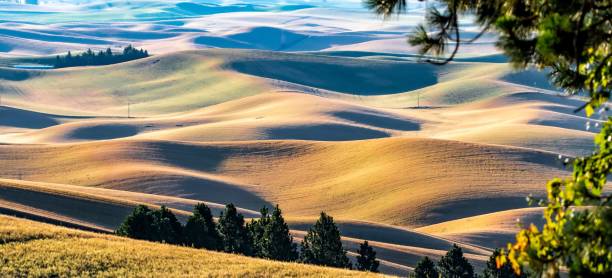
x=425, y=268
x=140, y=224
x=271, y=237
x=257, y=230
x=169, y=229
x=58, y=62
x=322, y=245
x=201, y=230
x=572, y=40
x=455, y=265
x=279, y=243
x=90, y=58
x=505, y=271
x=366, y=258
x=234, y=235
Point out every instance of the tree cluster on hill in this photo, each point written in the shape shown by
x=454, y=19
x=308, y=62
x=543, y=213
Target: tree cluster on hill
x=266, y=237
x=455, y=265
x=91, y=58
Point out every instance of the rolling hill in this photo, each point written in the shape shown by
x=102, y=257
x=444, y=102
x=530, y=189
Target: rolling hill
x=410, y=157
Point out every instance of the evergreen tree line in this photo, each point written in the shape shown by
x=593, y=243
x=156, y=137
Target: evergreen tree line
x=265, y=237
x=91, y=58
x=454, y=265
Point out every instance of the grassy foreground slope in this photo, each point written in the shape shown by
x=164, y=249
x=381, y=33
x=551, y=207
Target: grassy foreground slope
x=29, y=248
x=102, y=210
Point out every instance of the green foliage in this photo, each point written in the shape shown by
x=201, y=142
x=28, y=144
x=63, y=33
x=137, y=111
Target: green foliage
x=169, y=229
x=154, y=225
x=386, y=7
x=234, y=234
x=425, y=268
x=571, y=39
x=201, y=231
x=90, y=58
x=578, y=228
x=366, y=258
x=139, y=224
x=257, y=229
x=271, y=237
x=454, y=265
x=505, y=271
x=322, y=245
x=267, y=237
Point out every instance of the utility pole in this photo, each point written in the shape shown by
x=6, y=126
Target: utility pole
x=128, y=109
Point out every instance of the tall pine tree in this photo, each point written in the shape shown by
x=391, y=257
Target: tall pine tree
x=256, y=231
x=425, y=268
x=169, y=229
x=201, y=230
x=366, y=260
x=322, y=245
x=140, y=224
x=454, y=265
x=271, y=237
x=278, y=244
x=234, y=235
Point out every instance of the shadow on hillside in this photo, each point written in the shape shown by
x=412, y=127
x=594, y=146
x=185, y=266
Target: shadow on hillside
x=198, y=189
x=324, y=132
x=380, y=121
x=103, y=132
x=20, y=118
x=358, y=77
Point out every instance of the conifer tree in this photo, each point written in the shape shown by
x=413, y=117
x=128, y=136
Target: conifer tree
x=322, y=245
x=58, y=62
x=454, y=265
x=139, y=224
x=169, y=229
x=69, y=58
x=271, y=237
x=257, y=233
x=234, y=234
x=279, y=243
x=201, y=230
x=425, y=268
x=366, y=260
x=89, y=57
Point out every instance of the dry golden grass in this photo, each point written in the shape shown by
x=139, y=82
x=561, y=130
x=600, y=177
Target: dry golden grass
x=385, y=180
x=30, y=249
x=490, y=230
